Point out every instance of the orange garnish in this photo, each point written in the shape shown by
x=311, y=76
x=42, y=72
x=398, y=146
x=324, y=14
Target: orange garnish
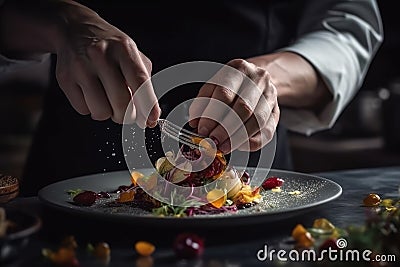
x=135, y=175
x=247, y=195
x=144, y=248
x=102, y=250
x=217, y=198
x=305, y=240
x=63, y=256
x=126, y=196
x=298, y=231
x=302, y=237
x=148, y=182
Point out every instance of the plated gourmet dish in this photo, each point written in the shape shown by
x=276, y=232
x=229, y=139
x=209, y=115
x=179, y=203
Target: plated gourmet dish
x=227, y=189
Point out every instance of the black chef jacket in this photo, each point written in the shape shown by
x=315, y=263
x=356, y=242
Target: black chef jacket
x=67, y=144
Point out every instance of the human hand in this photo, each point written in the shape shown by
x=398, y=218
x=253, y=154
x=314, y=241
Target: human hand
x=251, y=113
x=100, y=68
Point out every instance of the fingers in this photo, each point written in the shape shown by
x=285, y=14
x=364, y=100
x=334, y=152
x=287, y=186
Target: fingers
x=74, y=94
x=93, y=91
x=200, y=103
x=265, y=135
x=136, y=69
x=116, y=90
x=243, y=107
x=258, y=130
x=104, y=81
x=227, y=83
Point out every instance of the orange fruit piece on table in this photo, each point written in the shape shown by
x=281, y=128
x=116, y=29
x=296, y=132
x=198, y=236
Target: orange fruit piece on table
x=298, y=231
x=305, y=240
x=144, y=248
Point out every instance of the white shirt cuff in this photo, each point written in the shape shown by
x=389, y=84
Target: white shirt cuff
x=339, y=68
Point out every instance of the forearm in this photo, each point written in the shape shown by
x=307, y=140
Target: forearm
x=34, y=27
x=297, y=82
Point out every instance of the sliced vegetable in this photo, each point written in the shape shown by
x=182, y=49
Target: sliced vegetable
x=217, y=197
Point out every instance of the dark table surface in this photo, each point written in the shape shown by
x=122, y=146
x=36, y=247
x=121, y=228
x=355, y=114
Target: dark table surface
x=234, y=246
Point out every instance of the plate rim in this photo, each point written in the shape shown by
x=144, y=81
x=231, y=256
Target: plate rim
x=159, y=219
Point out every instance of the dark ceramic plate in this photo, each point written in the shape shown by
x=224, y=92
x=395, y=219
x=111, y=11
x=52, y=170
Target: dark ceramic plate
x=17, y=238
x=315, y=191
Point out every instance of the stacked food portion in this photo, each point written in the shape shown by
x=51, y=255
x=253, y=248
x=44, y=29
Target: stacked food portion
x=227, y=189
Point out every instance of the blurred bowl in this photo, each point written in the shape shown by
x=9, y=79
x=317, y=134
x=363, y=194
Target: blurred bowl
x=24, y=225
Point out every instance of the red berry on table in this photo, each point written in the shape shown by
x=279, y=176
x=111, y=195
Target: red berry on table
x=372, y=200
x=188, y=246
x=329, y=243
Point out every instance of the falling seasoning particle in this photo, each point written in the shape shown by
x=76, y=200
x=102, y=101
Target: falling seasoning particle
x=113, y=154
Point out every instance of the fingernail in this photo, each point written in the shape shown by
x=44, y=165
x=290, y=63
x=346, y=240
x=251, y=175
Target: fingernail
x=224, y=148
x=203, y=131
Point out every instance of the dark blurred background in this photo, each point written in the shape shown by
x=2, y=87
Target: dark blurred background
x=367, y=134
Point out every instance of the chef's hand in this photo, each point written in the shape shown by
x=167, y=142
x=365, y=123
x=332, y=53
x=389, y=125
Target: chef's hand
x=251, y=113
x=99, y=68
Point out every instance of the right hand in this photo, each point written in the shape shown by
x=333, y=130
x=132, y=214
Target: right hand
x=100, y=68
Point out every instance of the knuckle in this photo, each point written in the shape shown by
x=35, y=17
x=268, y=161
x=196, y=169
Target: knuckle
x=262, y=75
x=147, y=62
x=225, y=94
x=97, y=49
x=261, y=72
x=239, y=64
x=127, y=43
x=262, y=118
x=244, y=107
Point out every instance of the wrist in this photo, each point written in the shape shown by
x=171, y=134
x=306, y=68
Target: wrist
x=298, y=83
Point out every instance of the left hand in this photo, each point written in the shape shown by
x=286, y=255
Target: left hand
x=249, y=119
